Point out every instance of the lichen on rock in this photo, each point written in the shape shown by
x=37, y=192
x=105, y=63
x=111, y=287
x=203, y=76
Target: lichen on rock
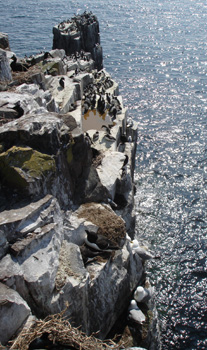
x=19, y=166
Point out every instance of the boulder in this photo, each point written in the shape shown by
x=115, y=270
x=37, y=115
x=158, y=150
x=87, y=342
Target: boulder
x=79, y=33
x=32, y=264
x=27, y=170
x=17, y=223
x=14, y=311
x=44, y=132
x=4, y=41
x=5, y=70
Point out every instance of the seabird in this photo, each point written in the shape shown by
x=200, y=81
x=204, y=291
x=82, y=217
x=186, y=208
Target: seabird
x=125, y=160
x=96, y=136
x=142, y=251
x=128, y=238
x=106, y=129
x=18, y=66
x=112, y=204
x=47, y=55
x=89, y=254
x=62, y=82
x=88, y=138
x=130, y=123
x=17, y=107
x=135, y=314
x=142, y=295
x=99, y=242
x=110, y=138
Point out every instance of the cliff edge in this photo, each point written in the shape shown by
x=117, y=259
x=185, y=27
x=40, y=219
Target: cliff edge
x=67, y=155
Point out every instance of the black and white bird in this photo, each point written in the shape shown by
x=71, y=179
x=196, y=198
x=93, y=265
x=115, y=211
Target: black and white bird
x=18, y=66
x=125, y=160
x=96, y=136
x=142, y=251
x=100, y=242
x=110, y=138
x=62, y=82
x=89, y=254
x=17, y=107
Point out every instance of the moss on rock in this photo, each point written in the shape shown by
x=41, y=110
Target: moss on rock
x=19, y=166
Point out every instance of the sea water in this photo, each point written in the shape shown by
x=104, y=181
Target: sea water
x=157, y=52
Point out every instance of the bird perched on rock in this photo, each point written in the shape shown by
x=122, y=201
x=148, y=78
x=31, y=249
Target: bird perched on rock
x=106, y=129
x=112, y=204
x=110, y=138
x=99, y=242
x=62, y=82
x=125, y=160
x=96, y=136
x=17, y=107
x=135, y=314
x=142, y=251
x=89, y=254
x=142, y=295
x=18, y=66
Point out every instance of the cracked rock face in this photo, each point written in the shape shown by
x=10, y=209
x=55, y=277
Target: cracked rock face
x=48, y=272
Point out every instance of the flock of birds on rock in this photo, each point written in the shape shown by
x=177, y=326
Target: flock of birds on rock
x=75, y=23
x=95, y=96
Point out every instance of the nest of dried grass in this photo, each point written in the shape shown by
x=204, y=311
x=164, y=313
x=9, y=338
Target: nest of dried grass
x=61, y=332
x=110, y=225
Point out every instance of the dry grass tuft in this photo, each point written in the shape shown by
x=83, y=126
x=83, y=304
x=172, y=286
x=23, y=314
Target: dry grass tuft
x=110, y=224
x=60, y=331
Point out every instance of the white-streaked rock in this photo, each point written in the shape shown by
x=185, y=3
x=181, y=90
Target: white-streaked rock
x=109, y=171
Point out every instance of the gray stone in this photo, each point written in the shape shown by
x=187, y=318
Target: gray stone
x=33, y=272
x=44, y=130
x=4, y=41
x=5, y=70
x=13, y=313
x=17, y=223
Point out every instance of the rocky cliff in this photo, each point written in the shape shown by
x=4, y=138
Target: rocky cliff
x=67, y=153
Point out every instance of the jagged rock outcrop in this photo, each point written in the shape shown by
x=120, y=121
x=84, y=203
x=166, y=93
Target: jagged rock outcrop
x=47, y=270
x=67, y=155
x=79, y=33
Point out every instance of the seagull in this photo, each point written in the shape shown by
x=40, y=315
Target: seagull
x=135, y=314
x=99, y=242
x=142, y=251
x=142, y=295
